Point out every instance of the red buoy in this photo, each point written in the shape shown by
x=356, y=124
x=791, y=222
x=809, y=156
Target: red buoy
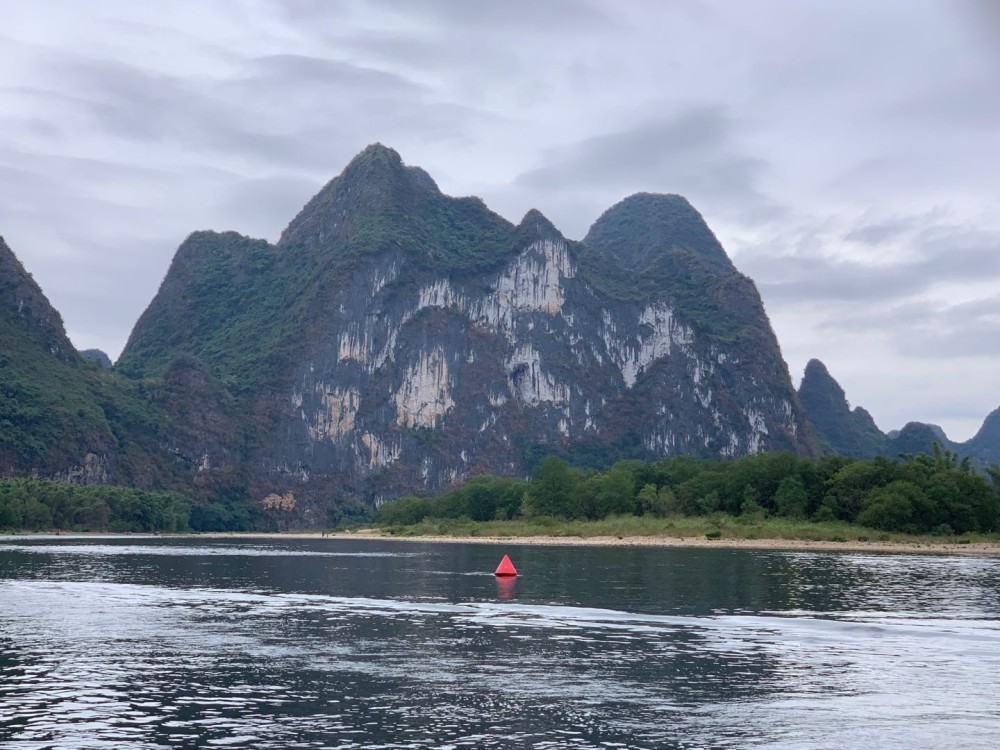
x=505, y=568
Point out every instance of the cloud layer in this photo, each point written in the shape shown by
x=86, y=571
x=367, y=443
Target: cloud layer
x=841, y=151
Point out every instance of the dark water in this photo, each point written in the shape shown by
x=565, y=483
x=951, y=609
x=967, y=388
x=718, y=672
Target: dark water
x=135, y=643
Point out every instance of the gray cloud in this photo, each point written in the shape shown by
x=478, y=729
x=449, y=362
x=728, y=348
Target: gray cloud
x=282, y=109
x=841, y=151
x=886, y=230
x=925, y=330
x=275, y=72
x=256, y=206
x=932, y=254
x=512, y=15
x=961, y=106
x=691, y=153
x=984, y=17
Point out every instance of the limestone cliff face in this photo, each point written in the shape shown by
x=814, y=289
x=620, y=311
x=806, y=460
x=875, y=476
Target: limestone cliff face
x=425, y=339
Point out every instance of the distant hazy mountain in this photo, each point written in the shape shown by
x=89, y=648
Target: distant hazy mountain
x=839, y=428
x=96, y=355
x=854, y=432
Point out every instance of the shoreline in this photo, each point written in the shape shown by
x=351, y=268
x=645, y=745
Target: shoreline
x=922, y=547
x=686, y=542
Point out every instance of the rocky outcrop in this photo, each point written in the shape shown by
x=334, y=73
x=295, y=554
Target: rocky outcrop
x=408, y=340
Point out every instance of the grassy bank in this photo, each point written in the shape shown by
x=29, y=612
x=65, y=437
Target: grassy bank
x=719, y=526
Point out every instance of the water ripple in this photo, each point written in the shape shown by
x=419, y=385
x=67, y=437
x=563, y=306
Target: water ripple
x=103, y=663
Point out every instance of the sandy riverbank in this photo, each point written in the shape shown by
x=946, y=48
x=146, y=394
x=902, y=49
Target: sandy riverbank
x=792, y=545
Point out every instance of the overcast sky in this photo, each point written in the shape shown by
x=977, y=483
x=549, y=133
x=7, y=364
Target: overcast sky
x=847, y=153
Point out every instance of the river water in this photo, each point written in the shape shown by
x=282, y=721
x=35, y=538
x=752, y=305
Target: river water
x=144, y=642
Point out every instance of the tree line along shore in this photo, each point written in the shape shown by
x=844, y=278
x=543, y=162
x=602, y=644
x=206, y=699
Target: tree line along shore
x=925, y=494
x=772, y=493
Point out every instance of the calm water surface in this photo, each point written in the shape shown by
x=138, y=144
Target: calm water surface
x=136, y=643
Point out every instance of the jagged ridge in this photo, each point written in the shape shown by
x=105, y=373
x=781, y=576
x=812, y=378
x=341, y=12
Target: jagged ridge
x=854, y=432
x=396, y=339
x=844, y=431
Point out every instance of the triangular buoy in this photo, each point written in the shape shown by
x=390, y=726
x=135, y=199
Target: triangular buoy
x=505, y=568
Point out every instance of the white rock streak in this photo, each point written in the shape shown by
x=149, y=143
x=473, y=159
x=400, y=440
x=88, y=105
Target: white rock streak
x=336, y=418
x=633, y=348
x=380, y=453
x=425, y=394
x=531, y=383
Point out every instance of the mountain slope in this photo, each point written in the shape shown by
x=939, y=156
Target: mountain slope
x=839, y=428
x=397, y=340
x=54, y=406
x=854, y=433
x=245, y=308
x=984, y=446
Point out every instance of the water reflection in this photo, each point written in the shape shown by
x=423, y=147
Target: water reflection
x=505, y=586
x=324, y=644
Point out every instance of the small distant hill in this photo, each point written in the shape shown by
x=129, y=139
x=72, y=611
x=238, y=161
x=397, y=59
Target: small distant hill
x=853, y=432
x=849, y=432
x=96, y=355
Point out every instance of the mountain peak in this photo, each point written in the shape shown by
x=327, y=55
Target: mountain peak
x=646, y=228
x=848, y=432
x=918, y=437
x=817, y=374
x=535, y=226
x=375, y=159
x=375, y=181
x=990, y=430
x=378, y=150
x=380, y=164
x=97, y=356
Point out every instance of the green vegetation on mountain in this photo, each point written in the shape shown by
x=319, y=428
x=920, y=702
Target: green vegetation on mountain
x=64, y=417
x=304, y=377
x=97, y=356
x=654, y=246
x=914, y=494
x=380, y=205
x=226, y=300
x=248, y=310
x=648, y=233
x=55, y=407
x=839, y=428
